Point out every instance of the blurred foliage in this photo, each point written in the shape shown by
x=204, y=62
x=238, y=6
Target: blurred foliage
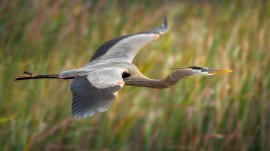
x=222, y=112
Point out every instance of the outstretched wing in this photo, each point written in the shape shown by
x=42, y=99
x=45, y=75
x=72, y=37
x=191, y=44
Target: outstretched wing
x=126, y=47
x=95, y=92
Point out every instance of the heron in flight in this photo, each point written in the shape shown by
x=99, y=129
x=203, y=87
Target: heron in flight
x=96, y=85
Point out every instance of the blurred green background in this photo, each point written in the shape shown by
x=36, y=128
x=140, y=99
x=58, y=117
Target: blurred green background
x=221, y=112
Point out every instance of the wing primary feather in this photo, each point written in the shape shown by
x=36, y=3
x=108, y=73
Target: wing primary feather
x=165, y=24
x=106, y=46
x=82, y=106
x=163, y=28
x=126, y=47
x=89, y=99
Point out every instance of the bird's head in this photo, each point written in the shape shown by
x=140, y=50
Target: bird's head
x=204, y=71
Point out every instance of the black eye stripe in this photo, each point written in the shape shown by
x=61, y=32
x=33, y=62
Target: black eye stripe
x=198, y=68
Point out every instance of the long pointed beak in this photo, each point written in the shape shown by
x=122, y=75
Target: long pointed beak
x=215, y=71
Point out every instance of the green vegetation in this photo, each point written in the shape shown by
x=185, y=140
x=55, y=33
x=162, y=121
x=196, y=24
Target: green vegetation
x=222, y=112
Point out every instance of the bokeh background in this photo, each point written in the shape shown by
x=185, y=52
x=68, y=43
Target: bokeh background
x=221, y=112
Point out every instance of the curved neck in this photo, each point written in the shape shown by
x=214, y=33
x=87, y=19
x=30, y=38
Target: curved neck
x=170, y=80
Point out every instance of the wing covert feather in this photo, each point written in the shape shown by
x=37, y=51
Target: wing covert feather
x=126, y=47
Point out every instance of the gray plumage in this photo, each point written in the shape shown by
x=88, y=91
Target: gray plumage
x=96, y=85
x=126, y=47
x=95, y=92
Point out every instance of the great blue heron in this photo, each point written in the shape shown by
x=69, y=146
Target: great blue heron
x=96, y=85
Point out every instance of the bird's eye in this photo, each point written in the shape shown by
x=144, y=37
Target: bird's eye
x=125, y=74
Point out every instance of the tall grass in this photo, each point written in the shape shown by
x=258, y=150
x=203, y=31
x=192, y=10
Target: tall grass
x=222, y=112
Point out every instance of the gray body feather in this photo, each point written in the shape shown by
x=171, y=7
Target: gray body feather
x=95, y=86
x=95, y=92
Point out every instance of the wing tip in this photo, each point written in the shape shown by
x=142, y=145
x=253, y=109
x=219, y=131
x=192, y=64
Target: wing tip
x=163, y=28
x=84, y=114
x=165, y=25
x=165, y=22
x=81, y=115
